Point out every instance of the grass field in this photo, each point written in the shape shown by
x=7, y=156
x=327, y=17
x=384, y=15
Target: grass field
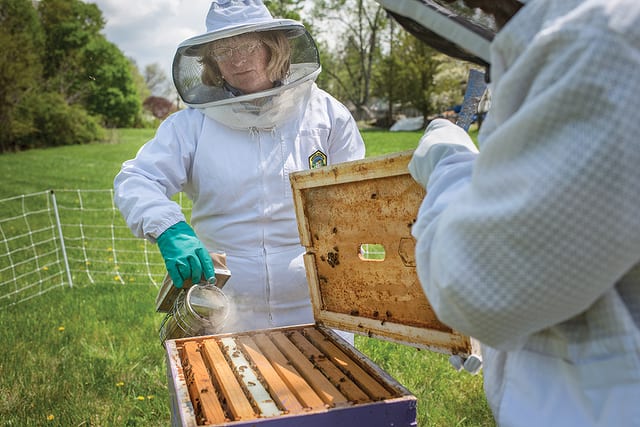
x=90, y=355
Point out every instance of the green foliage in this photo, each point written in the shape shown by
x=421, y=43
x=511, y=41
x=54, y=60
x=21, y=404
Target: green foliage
x=60, y=79
x=55, y=122
x=30, y=115
x=450, y=82
x=417, y=65
x=350, y=68
x=86, y=68
x=155, y=81
x=69, y=26
x=22, y=39
x=142, y=92
x=44, y=119
x=112, y=93
x=417, y=76
x=376, y=59
x=287, y=9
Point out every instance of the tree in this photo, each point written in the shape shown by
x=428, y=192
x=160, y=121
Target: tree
x=386, y=75
x=56, y=122
x=22, y=40
x=111, y=92
x=414, y=75
x=157, y=81
x=358, y=24
x=159, y=107
x=83, y=66
x=142, y=91
x=418, y=64
x=427, y=80
x=139, y=81
x=287, y=9
x=59, y=76
x=69, y=26
x=450, y=81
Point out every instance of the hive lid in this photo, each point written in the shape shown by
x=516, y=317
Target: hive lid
x=355, y=220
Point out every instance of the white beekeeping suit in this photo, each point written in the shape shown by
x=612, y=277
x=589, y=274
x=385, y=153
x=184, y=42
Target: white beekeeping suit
x=232, y=154
x=532, y=246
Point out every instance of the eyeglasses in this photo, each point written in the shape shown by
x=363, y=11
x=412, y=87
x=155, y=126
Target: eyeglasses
x=222, y=54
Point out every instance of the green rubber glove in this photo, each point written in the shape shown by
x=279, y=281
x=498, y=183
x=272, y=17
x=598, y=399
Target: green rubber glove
x=184, y=255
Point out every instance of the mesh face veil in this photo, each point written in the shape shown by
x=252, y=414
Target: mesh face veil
x=292, y=65
x=448, y=26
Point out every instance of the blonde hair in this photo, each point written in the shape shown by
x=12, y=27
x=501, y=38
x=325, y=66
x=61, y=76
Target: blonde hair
x=277, y=66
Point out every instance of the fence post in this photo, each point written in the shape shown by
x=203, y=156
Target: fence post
x=64, y=250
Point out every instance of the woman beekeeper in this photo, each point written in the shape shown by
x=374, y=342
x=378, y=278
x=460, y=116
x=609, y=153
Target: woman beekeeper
x=532, y=245
x=256, y=116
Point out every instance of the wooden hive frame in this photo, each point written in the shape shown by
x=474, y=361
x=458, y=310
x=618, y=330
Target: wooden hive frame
x=371, y=201
x=278, y=376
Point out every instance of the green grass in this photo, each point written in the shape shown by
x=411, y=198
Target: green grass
x=83, y=356
x=90, y=355
x=70, y=167
x=382, y=142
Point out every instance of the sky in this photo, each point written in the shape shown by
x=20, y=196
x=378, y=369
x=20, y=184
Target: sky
x=150, y=31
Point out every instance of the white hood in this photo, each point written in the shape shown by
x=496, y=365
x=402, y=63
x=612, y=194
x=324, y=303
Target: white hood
x=261, y=110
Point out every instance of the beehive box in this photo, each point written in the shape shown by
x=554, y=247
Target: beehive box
x=303, y=375
x=355, y=222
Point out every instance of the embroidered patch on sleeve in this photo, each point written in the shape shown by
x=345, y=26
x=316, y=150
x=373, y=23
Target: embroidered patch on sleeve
x=317, y=159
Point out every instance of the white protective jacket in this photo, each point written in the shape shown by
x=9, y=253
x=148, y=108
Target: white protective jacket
x=533, y=246
x=242, y=201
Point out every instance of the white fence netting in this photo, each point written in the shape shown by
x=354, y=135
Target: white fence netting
x=70, y=237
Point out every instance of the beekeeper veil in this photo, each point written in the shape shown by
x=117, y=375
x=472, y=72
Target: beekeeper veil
x=293, y=64
x=452, y=26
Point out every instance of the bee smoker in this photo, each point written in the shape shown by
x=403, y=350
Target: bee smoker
x=195, y=309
